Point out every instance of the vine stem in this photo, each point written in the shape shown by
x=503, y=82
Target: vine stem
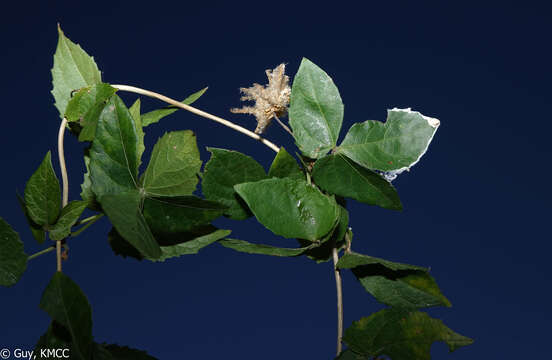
x=202, y=113
x=65, y=182
x=339, y=301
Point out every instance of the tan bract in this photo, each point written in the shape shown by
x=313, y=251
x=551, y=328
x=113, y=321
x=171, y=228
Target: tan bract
x=271, y=100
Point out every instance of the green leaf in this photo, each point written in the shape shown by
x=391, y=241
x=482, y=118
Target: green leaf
x=134, y=111
x=56, y=337
x=192, y=246
x=156, y=115
x=69, y=216
x=340, y=176
x=316, y=110
x=225, y=169
x=393, y=146
x=124, y=212
x=117, y=352
x=113, y=155
x=261, y=249
x=65, y=302
x=86, y=187
x=323, y=252
x=348, y=354
x=169, y=217
x=284, y=165
x=13, y=260
x=86, y=106
x=42, y=194
x=38, y=233
x=122, y=247
x=290, y=208
x=400, y=334
x=352, y=260
x=395, y=284
x=185, y=243
x=73, y=69
x=174, y=165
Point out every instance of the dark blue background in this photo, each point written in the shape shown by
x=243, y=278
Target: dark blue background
x=476, y=207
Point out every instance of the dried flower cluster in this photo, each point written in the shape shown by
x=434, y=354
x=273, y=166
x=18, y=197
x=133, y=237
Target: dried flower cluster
x=271, y=100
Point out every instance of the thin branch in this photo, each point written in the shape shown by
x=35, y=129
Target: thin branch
x=47, y=250
x=90, y=222
x=286, y=128
x=197, y=112
x=65, y=182
x=339, y=301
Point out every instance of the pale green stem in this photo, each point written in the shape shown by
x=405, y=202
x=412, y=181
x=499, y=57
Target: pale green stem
x=198, y=112
x=90, y=222
x=65, y=182
x=41, y=253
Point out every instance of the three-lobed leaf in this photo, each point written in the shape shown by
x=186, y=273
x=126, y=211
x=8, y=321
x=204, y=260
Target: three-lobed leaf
x=393, y=146
x=225, y=169
x=154, y=116
x=66, y=304
x=13, y=260
x=290, y=208
x=400, y=334
x=174, y=165
x=73, y=69
x=341, y=176
x=316, y=110
x=43, y=195
x=394, y=284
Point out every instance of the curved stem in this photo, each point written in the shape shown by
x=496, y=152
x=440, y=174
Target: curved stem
x=339, y=301
x=47, y=250
x=65, y=182
x=197, y=112
x=286, y=128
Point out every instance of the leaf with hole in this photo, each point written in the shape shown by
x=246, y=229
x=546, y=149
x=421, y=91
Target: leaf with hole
x=400, y=334
x=315, y=111
x=154, y=116
x=225, y=169
x=174, y=166
x=393, y=146
x=66, y=304
x=341, y=176
x=43, y=195
x=73, y=69
x=394, y=283
x=290, y=208
x=13, y=260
